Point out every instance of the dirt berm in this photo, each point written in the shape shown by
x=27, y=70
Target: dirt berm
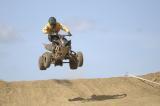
x=118, y=91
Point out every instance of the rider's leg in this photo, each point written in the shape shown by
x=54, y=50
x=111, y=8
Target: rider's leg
x=51, y=46
x=50, y=38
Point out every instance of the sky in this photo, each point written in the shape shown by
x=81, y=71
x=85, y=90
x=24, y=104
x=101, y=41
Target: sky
x=115, y=36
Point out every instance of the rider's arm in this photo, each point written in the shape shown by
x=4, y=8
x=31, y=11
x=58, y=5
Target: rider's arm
x=64, y=28
x=46, y=29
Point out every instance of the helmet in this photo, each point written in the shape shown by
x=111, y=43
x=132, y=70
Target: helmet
x=52, y=21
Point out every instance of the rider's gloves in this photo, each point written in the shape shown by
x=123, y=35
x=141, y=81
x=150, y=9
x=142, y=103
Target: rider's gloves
x=69, y=34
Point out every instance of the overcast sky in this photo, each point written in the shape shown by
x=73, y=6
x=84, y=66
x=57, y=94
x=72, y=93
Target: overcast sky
x=115, y=36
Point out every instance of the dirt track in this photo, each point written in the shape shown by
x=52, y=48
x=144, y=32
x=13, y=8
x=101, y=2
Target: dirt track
x=121, y=91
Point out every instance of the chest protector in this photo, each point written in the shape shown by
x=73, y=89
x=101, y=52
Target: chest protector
x=56, y=29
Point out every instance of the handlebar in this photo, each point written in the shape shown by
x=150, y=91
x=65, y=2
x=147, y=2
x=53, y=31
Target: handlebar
x=64, y=35
x=61, y=35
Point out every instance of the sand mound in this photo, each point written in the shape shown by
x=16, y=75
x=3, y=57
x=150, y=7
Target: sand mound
x=120, y=91
x=153, y=77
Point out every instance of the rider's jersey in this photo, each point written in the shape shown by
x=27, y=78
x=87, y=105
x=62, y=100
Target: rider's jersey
x=49, y=30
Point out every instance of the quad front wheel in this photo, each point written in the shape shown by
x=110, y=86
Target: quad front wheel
x=46, y=59
x=73, y=62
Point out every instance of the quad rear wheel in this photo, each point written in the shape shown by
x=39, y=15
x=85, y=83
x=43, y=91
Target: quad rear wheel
x=41, y=64
x=80, y=59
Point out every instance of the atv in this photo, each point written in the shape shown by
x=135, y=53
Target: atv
x=60, y=53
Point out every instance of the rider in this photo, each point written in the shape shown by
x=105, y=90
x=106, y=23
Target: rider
x=52, y=28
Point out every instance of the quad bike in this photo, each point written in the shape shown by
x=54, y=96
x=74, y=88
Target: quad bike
x=61, y=52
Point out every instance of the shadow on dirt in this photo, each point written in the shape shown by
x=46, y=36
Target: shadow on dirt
x=98, y=98
x=64, y=82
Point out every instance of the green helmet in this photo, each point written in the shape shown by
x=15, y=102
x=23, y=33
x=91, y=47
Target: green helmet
x=52, y=21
